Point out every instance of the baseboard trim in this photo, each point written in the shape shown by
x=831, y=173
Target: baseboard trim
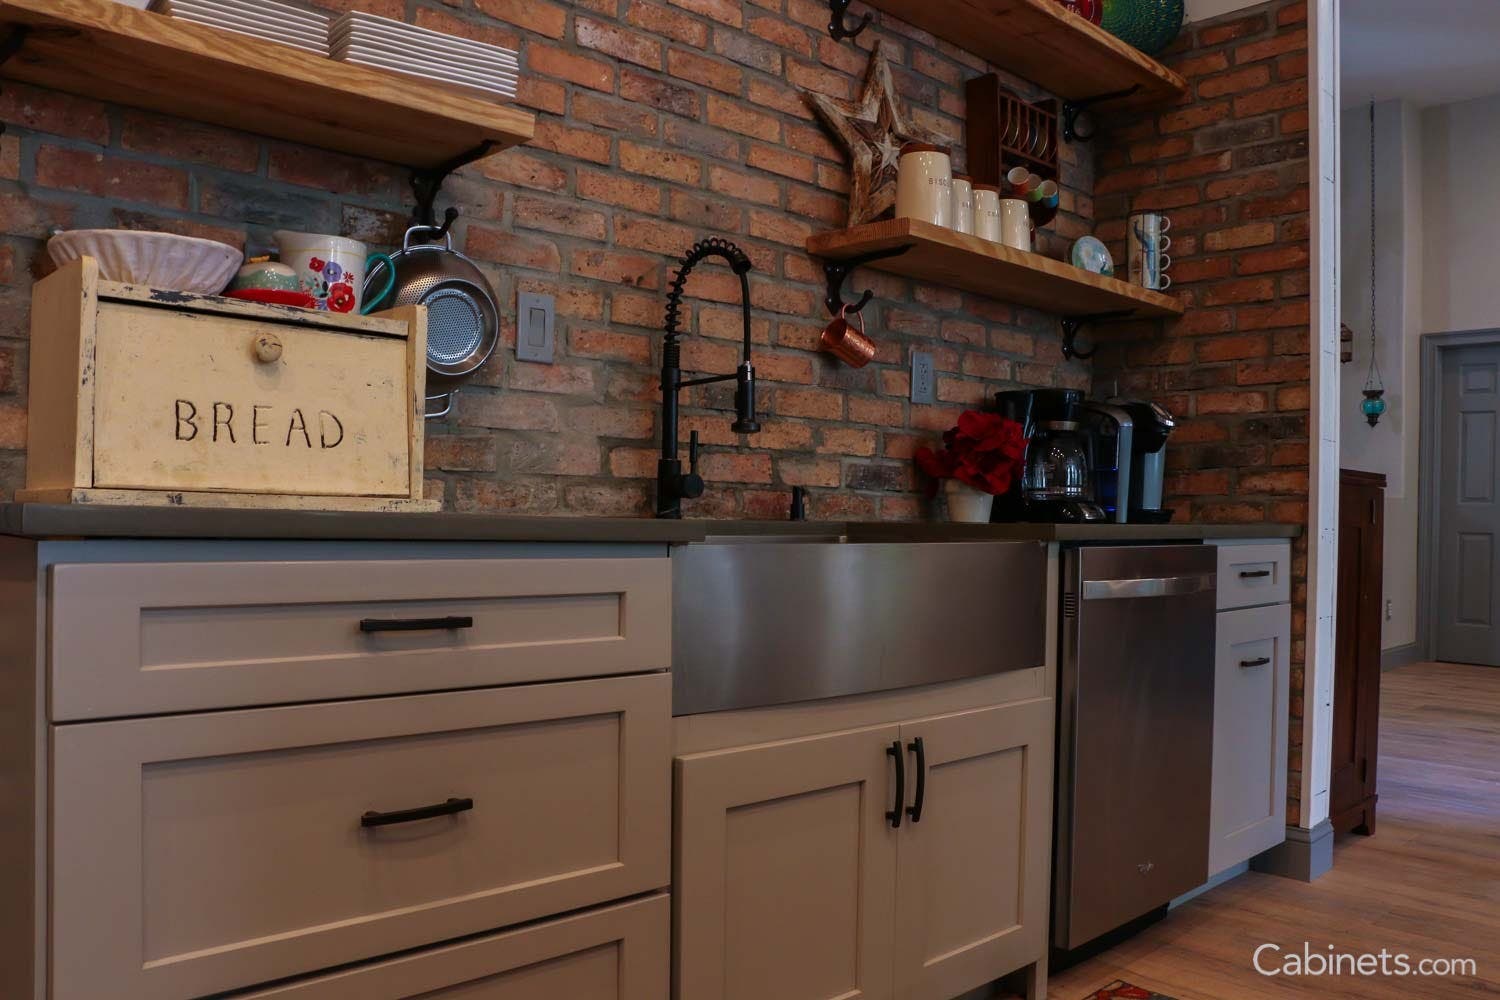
x=1305, y=855
x=1400, y=656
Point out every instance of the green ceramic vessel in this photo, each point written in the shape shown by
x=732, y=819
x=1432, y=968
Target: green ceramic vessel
x=1149, y=25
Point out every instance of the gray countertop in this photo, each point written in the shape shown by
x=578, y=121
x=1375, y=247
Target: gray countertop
x=91, y=521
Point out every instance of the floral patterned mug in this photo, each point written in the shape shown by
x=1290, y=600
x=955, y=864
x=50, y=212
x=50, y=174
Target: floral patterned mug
x=332, y=269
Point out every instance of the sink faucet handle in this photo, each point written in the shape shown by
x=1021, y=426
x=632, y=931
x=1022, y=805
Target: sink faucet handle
x=691, y=482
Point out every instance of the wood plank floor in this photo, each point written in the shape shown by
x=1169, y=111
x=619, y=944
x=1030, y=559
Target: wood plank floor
x=1427, y=884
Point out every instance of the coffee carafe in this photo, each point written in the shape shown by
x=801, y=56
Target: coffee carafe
x=1057, y=486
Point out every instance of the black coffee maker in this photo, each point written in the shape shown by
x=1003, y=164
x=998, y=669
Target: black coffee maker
x=1130, y=458
x=1056, y=485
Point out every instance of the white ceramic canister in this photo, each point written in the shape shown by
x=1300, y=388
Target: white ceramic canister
x=329, y=268
x=963, y=204
x=987, y=212
x=1015, y=223
x=924, y=184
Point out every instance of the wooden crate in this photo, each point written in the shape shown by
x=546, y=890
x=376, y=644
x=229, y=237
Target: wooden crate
x=143, y=396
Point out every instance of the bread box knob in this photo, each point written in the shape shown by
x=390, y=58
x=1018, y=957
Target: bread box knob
x=267, y=348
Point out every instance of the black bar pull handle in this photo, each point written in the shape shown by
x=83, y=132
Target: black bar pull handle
x=915, y=809
x=1251, y=574
x=449, y=623
x=452, y=807
x=894, y=815
x=1259, y=661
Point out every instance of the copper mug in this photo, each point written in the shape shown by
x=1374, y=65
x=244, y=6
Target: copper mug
x=843, y=341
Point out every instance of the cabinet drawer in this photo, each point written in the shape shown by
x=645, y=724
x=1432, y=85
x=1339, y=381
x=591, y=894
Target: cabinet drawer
x=617, y=953
x=1254, y=574
x=199, y=853
x=139, y=638
x=1252, y=667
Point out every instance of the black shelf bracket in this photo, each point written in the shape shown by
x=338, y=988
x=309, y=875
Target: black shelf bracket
x=1072, y=111
x=1072, y=324
x=838, y=26
x=838, y=271
x=427, y=183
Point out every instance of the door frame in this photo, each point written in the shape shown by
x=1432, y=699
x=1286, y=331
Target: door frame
x=1436, y=350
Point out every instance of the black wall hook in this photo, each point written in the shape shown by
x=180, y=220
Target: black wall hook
x=1072, y=324
x=425, y=184
x=837, y=272
x=838, y=27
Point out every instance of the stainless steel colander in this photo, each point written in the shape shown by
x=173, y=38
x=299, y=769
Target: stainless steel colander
x=463, y=322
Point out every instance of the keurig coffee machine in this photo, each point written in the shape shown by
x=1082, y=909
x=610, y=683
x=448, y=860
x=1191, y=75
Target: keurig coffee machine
x=1129, y=446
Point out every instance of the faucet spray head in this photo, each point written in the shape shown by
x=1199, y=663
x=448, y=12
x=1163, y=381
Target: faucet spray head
x=744, y=401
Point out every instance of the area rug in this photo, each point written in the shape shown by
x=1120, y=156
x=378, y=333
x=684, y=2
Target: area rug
x=1121, y=990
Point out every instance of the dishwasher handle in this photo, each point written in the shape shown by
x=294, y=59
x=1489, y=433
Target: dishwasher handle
x=1151, y=586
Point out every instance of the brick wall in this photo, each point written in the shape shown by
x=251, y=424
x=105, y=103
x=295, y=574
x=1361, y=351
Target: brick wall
x=1230, y=167
x=659, y=123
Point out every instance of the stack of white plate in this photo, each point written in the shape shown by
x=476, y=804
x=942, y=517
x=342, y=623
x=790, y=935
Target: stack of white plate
x=382, y=43
x=269, y=20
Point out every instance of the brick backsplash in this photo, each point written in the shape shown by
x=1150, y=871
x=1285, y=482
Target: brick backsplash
x=1230, y=167
x=659, y=123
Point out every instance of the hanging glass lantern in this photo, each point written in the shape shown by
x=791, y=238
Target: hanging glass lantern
x=1373, y=405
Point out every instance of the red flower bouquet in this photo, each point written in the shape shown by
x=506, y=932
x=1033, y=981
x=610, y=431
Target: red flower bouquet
x=985, y=451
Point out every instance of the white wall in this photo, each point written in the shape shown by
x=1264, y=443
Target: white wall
x=1391, y=446
x=1438, y=270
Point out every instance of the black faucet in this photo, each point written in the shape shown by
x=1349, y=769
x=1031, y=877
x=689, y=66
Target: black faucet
x=672, y=484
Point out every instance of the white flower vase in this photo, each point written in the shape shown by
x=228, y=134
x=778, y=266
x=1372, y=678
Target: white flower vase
x=966, y=504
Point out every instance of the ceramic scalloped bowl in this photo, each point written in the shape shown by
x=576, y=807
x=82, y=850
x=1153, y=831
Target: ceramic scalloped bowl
x=158, y=260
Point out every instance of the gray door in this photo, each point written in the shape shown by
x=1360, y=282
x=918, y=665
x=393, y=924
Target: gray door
x=1468, y=509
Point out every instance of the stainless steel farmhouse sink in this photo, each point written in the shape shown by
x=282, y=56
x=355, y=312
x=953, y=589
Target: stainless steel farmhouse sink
x=772, y=619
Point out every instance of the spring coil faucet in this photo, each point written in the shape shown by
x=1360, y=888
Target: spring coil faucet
x=672, y=484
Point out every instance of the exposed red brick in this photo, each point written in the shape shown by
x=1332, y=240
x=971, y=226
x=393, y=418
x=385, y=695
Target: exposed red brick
x=111, y=177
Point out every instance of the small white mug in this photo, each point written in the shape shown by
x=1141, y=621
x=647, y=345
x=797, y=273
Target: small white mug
x=1015, y=223
x=963, y=204
x=924, y=184
x=987, y=212
x=330, y=268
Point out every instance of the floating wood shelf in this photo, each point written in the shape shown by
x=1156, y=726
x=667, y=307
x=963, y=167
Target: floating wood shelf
x=945, y=257
x=108, y=51
x=1045, y=43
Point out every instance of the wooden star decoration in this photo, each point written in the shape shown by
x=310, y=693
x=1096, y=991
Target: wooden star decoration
x=873, y=129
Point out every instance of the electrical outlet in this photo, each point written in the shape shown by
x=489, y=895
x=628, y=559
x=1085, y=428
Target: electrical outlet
x=1389, y=610
x=923, y=378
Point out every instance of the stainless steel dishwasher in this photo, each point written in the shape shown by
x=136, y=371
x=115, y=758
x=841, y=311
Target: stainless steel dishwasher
x=1135, y=734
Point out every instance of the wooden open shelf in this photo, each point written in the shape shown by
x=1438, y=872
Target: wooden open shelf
x=1045, y=43
x=945, y=257
x=111, y=52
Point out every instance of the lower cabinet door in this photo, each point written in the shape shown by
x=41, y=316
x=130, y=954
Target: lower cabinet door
x=785, y=870
x=972, y=870
x=1251, y=675
x=194, y=854
x=614, y=953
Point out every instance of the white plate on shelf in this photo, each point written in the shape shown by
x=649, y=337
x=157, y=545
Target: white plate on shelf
x=310, y=41
x=423, y=53
x=498, y=88
x=259, y=36
x=422, y=62
x=267, y=14
x=374, y=25
x=264, y=20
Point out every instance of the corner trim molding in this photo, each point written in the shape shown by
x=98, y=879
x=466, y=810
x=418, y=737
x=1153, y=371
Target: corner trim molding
x=1305, y=855
x=1400, y=656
